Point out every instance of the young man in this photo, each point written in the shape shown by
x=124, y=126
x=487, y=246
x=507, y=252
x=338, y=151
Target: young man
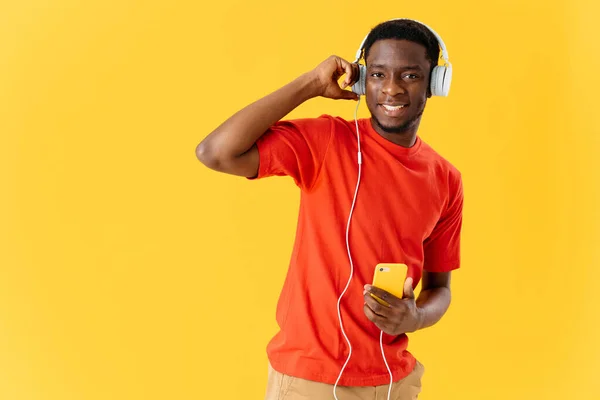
x=408, y=210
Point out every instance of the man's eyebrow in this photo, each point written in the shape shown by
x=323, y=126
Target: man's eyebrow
x=404, y=67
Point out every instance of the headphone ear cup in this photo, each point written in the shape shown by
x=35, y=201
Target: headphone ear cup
x=441, y=77
x=436, y=85
x=447, y=79
x=359, y=86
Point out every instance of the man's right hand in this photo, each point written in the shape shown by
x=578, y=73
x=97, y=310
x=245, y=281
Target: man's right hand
x=327, y=75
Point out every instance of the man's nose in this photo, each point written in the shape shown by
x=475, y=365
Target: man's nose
x=393, y=87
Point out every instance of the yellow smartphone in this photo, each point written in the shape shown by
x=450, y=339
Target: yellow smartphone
x=390, y=277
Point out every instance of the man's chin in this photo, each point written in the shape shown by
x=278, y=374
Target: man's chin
x=394, y=129
x=398, y=127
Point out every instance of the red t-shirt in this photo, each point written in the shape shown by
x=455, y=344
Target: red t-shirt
x=408, y=210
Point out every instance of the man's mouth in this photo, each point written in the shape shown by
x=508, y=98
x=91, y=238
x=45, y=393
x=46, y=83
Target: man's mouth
x=393, y=110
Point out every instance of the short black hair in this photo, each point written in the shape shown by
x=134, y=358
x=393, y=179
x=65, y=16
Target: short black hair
x=405, y=29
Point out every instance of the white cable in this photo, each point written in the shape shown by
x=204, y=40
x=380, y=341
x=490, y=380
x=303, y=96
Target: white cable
x=359, y=161
x=386, y=364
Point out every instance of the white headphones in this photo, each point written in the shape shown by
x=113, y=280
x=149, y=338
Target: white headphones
x=441, y=76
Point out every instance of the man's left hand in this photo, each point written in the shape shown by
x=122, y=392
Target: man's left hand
x=401, y=316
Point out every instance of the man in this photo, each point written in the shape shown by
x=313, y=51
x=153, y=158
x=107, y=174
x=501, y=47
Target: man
x=408, y=210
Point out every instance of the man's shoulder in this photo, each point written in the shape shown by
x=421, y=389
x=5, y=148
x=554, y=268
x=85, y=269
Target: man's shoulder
x=337, y=121
x=439, y=161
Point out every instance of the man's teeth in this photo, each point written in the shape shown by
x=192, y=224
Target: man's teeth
x=392, y=108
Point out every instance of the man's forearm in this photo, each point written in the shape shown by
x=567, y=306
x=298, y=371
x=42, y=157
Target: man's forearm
x=239, y=133
x=432, y=305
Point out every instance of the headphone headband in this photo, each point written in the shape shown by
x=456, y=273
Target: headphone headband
x=438, y=37
x=441, y=76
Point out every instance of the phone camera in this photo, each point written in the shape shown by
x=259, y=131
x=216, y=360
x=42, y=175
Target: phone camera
x=381, y=269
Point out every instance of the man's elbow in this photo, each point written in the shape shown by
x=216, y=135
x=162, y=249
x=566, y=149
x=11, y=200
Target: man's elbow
x=206, y=155
x=220, y=160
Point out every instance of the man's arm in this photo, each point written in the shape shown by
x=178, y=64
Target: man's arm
x=231, y=147
x=434, y=299
x=442, y=254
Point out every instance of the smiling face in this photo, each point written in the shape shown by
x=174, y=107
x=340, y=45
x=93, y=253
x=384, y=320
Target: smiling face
x=397, y=88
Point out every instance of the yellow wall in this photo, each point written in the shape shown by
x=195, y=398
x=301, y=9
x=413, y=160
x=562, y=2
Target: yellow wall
x=115, y=243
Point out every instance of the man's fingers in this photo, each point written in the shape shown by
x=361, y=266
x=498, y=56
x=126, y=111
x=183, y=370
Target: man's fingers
x=408, y=289
x=350, y=71
x=336, y=68
x=355, y=73
x=376, y=307
x=376, y=319
x=383, y=295
x=349, y=74
x=348, y=95
x=343, y=94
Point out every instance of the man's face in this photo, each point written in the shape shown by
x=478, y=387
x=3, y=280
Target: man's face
x=397, y=84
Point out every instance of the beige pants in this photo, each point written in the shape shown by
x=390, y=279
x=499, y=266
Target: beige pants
x=285, y=387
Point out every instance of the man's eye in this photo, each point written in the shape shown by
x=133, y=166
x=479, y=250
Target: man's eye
x=377, y=74
x=411, y=76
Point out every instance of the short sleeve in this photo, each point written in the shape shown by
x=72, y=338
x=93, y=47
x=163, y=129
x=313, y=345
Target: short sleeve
x=295, y=148
x=442, y=247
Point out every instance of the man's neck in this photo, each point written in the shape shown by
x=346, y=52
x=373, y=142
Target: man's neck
x=406, y=138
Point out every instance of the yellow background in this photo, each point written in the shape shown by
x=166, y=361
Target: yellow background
x=130, y=271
